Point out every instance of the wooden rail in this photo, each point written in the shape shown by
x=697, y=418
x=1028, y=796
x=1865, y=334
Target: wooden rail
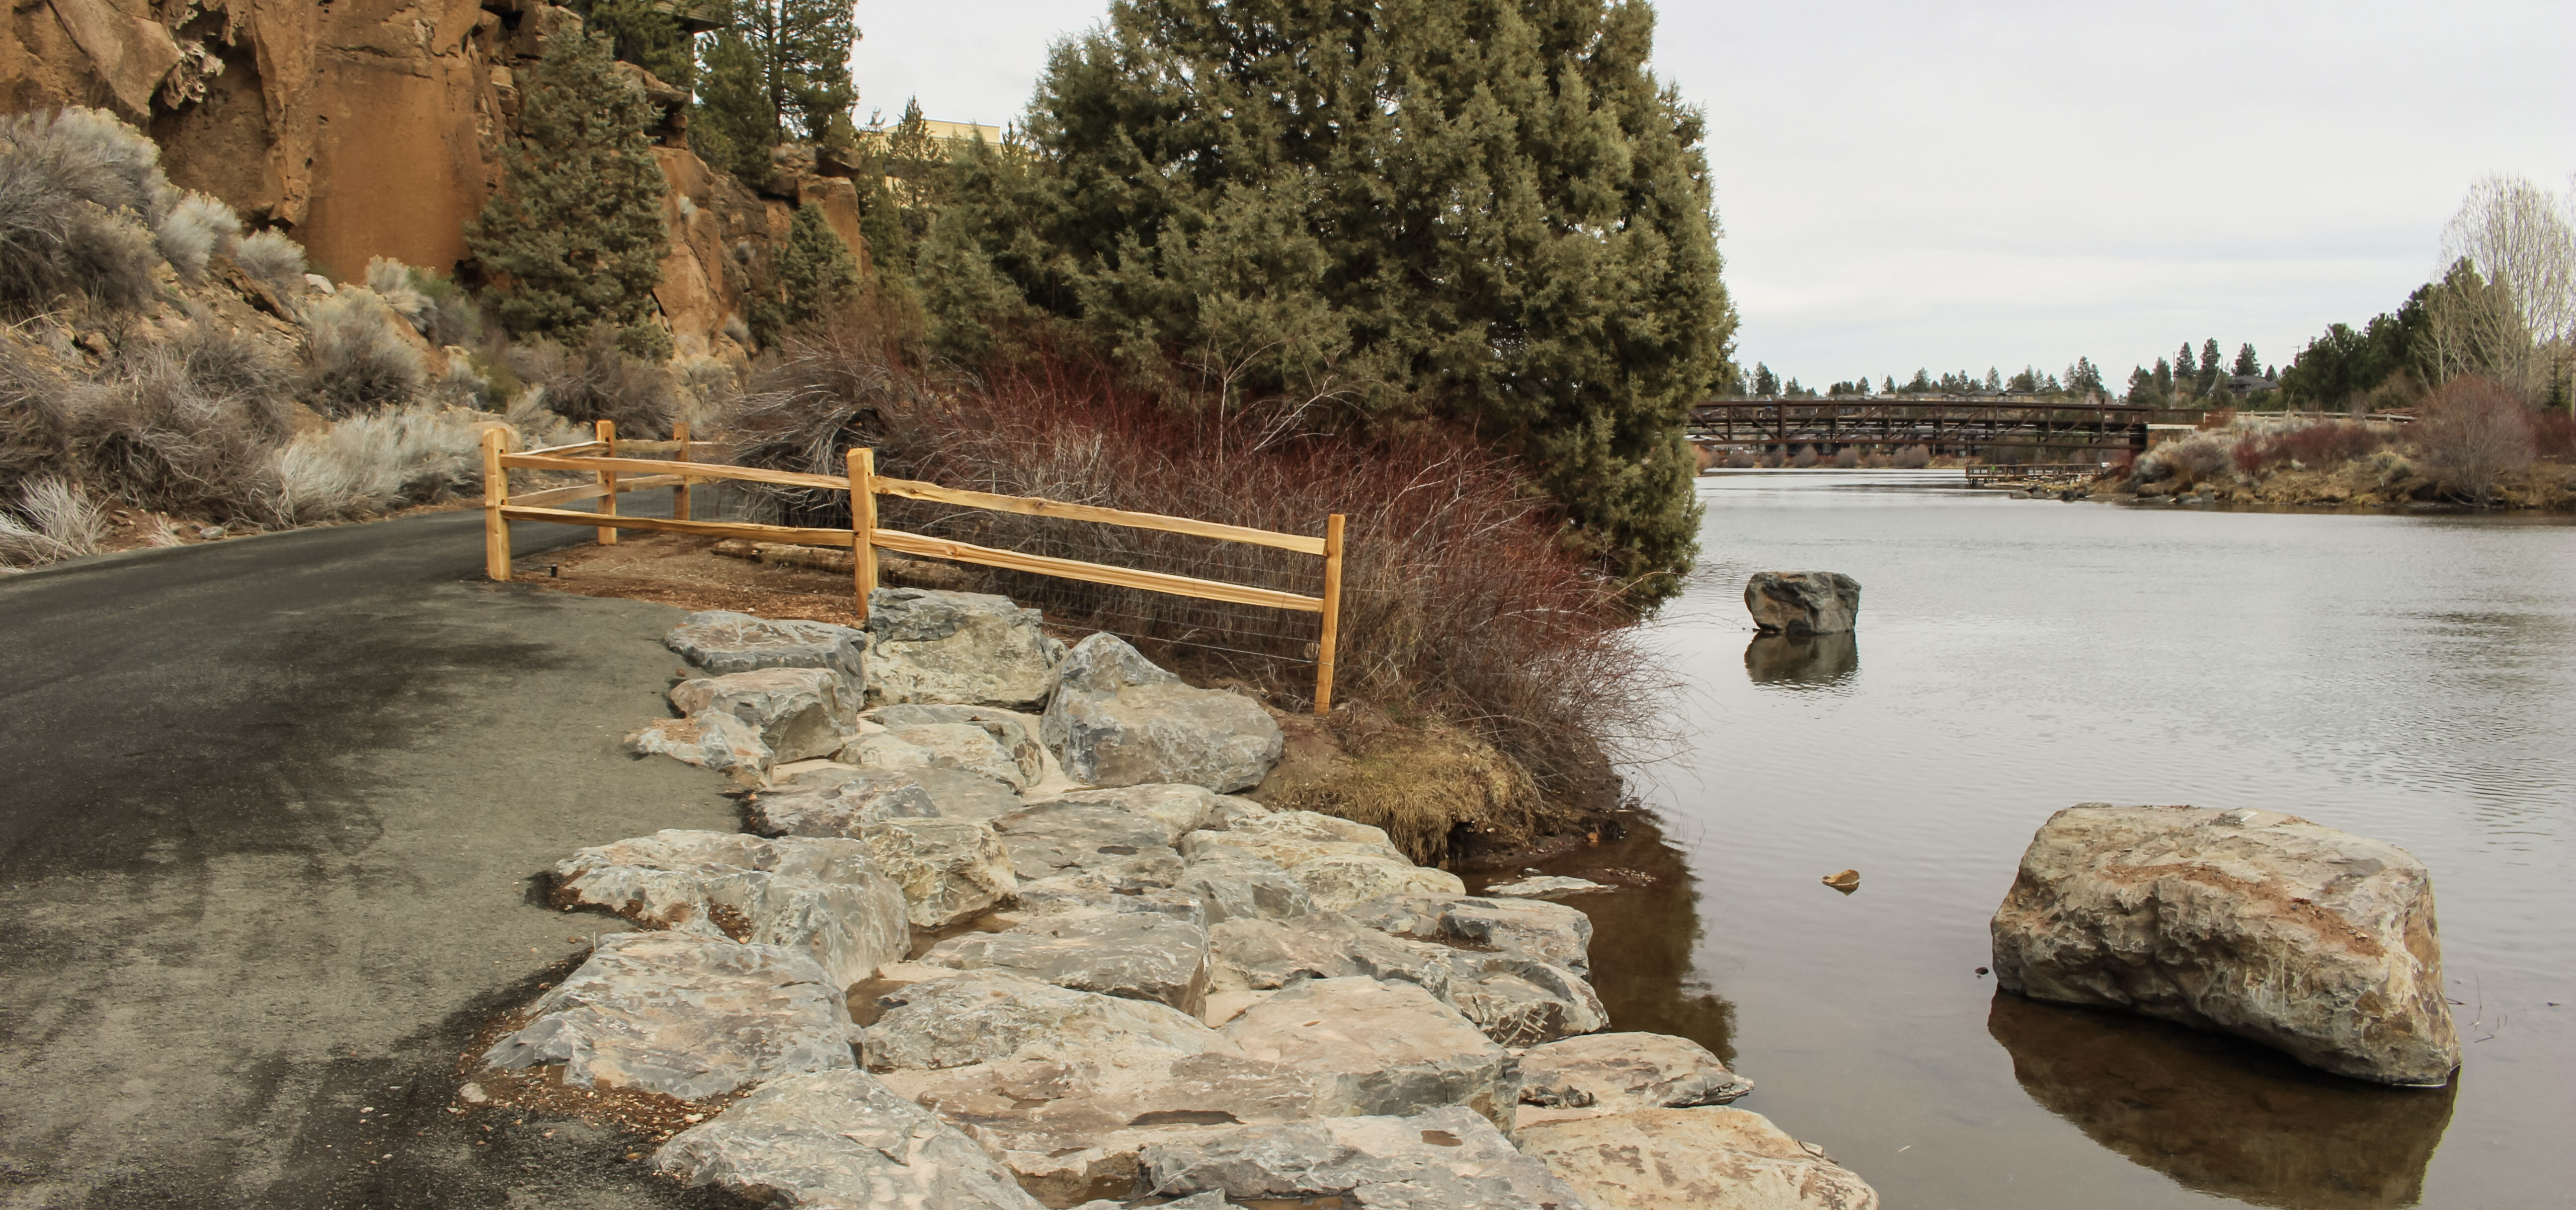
x=604, y=458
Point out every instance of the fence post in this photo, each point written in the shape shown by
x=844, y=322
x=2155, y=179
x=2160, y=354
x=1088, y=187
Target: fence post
x=607, y=432
x=863, y=527
x=680, y=494
x=496, y=492
x=1332, y=614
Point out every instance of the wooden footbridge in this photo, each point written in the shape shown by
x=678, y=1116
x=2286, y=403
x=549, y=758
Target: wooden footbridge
x=1942, y=424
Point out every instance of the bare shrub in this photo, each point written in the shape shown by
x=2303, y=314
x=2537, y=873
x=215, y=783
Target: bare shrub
x=391, y=282
x=1739, y=458
x=1877, y=461
x=1771, y=460
x=597, y=380
x=52, y=520
x=1848, y=457
x=278, y=262
x=353, y=361
x=34, y=428
x=2473, y=432
x=196, y=229
x=375, y=462
x=1806, y=456
x=1458, y=598
x=80, y=193
x=184, y=426
x=1913, y=457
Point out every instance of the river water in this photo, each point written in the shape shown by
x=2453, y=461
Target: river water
x=2411, y=678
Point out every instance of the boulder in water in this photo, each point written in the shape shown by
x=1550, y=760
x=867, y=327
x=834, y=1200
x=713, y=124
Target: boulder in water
x=1803, y=602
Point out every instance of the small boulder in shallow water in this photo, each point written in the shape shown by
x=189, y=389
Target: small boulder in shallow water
x=2247, y=922
x=1803, y=602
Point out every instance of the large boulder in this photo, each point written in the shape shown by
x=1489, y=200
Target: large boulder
x=1708, y=1159
x=1340, y=863
x=1380, y=1048
x=969, y=747
x=1117, y=719
x=1340, y=882
x=1615, y=1073
x=1137, y=955
x=722, y=641
x=1803, y=602
x=1144, y=883
x=1441, y=1159
x=685, y=1016
x=1516, y=928
x=836, y=805
x=800, y=713
x=1015, y=733
x=840, y=1141
x=1521, y=1002
x=950, y=870
x=2248, y=922
x=716, y=741
x=1181, y=808
x=991, y=1016
x=1267, y=954
x=958, y=791
x=1244, y=888
x=1060, y=836
x=960, y=648
x=823, y=897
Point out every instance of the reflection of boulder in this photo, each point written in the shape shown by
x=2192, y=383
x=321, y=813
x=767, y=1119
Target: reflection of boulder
x=1806, y=659
x=2220, y=1115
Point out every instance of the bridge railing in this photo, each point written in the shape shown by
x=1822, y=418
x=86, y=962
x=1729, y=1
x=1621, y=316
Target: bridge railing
x=606, y=457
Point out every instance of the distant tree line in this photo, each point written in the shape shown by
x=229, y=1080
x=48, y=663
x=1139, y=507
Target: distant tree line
x=2080, y=379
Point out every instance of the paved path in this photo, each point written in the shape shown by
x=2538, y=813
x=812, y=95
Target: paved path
x=272, y=822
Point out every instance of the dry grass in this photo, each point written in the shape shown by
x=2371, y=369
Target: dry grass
x=80, y=194
x=278, y=262
x=1435, y=790
x=353, y=360
x=51, y=520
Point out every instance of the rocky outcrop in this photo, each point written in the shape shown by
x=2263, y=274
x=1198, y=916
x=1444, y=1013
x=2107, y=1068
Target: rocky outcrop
x=1014, y=733
x=2250, y=922
x=1118, y=720
x=821, y=897
x=684, y=1016
x=1707, y=1159
x=1442, y=1159
x=960, y=648
x=1065, y=835
x=717, y=741
x=840, y=1140
x=1803, y=602
x=800, y=713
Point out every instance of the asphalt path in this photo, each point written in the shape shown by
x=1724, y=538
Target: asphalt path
x=273, y=825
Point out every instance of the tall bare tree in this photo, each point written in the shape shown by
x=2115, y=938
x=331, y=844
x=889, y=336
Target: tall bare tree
x=2520, y=241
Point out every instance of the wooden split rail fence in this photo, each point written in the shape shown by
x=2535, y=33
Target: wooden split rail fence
x=607, y=457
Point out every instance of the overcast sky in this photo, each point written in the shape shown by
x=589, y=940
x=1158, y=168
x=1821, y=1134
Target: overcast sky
x=1964, y=185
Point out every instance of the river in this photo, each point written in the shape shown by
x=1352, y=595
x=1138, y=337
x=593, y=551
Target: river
x=2411, y=678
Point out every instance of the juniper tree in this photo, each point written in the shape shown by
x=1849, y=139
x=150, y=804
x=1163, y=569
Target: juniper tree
x=2212, y=365
x=1484, y=209
x=778, y=71
x=814, y=273
x=574, y=237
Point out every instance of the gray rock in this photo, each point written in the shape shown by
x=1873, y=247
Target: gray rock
x=1441, y=1159
x=684, y=1016
x=970, y=748
x=1181, y=808
x=2247, y=922
x=1541, y=888
x=1521, y=928
x=1098, y=667
x=1713, y=1158
x=1380, y=1048
x=1803, y=602
x=1325, y=945
x=825, y=898
x=837, y=803
x=716, y=741
x=1056, y=837
x=1141, y=884
x=1521, y=1002
x=1137, y=955
x=1009, y=728
x=800, y=713
x=1345, y=881
x=1616, y=1073
x=1289, y=839
x=950, y=870
x=840, y=1141
x=964, y=795
x=1169, y=733
x=960, y=648
x=1244, y=888
x=722, y=641
x=992, y=1017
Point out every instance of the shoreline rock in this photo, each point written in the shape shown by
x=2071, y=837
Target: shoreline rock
x=1803, y=602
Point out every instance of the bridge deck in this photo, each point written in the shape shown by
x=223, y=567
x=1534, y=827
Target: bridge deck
x=1940, y=423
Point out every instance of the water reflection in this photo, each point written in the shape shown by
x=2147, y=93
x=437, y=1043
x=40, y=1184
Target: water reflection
x=2221, y=1115
x=1817, y=660
x=1643, y=933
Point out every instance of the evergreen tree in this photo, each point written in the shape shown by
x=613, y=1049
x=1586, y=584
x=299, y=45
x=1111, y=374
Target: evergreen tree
x=2164, y=379
x=1994, y=381
x=2211, y=366
x=778, y=72
x=1887, y=385
x=2185, y=368
x=2084, y=378
x=1488, y=209
x=1766, y=385
x=1921, y=383
x=2246, y=363
x=575, y=235
x=730, y=125
x=2142, y=386
x=644, y=33
x=814, y=275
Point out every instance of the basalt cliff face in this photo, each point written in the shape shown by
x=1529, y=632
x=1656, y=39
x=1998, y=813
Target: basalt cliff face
x=374, y=128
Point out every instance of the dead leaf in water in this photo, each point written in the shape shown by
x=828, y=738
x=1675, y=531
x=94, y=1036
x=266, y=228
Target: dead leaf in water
x=1846, y=882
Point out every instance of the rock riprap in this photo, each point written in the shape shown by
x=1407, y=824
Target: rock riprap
x=838, y=803
x=1442, y=1159
x=956, y=648
x=1065, y=835
x=2254, y=923
x=1615, y=1073
x=1117, y=720
x=685, y=1016
x=1517, y=928
x=1548, y=887
x=800, y=713
x=1340, y=863
x=1015, y=734
x=823, y=897
x=1380, y=1048
x=951, y=870
x=1803, y=602
x=1707, y=1159
x=716, y=741
x=987, y=1016
x=1137, y=955
x=722, y=641
x=840, y=1141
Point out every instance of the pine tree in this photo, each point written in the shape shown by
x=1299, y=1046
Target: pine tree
x=1994, y=381
x=2184, y=367
x=813, y=274
x=1486, y=209
x=2084, y=378
x=730, y=125
x=2211, y=366
x=1766, y=385
x=777, y=72
x=644, y=33
x=2164, y=379
x=1887, y=385
x=575, y=235
x=2247, y=364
